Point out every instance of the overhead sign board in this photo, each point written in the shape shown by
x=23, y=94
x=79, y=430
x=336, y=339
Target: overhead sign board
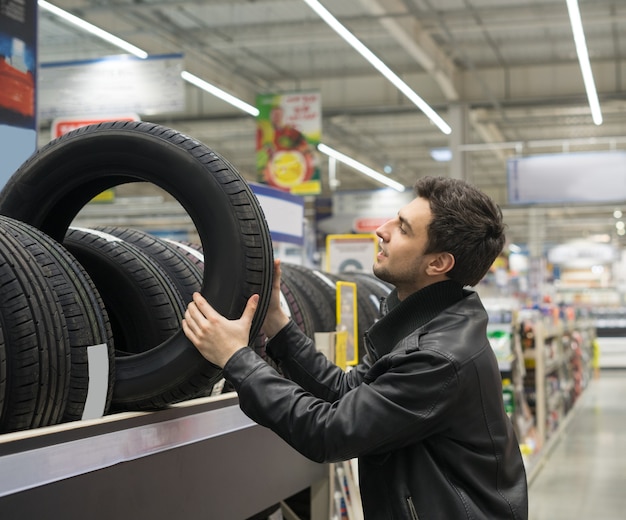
x=573, y=177
x=112, y=85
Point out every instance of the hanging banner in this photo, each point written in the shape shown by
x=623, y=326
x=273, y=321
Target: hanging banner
x=288, y=132
x=18, y=80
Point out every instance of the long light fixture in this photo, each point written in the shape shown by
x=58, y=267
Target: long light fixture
x=378, y=64
x=90, y=28
x=583, y=59
x=219, y=93
x=366, y=170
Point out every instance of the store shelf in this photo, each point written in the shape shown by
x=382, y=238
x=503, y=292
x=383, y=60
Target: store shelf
x=558, y=368
x=201, y=459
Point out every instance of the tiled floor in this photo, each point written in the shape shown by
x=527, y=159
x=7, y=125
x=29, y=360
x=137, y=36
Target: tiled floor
x=584, y=475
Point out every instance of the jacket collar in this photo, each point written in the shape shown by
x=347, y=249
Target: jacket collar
x=403, y=317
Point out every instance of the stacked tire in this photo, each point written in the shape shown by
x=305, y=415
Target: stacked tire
x=311, y=299
x=90, y=319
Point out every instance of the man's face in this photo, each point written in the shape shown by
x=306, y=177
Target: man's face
x=403, y=240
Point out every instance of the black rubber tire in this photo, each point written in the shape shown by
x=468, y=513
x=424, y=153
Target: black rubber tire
x=183, y=269
x=185, y=275
x=192, y=251
x=83, y=311
x=144, y=307
x=316, y=297
x=378, y=286
x=3, y=370
x=294, y=300
x=36, y=341
x=54, y=184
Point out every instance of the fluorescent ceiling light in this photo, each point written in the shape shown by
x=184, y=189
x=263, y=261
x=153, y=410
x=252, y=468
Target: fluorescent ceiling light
x=218, y=92
x=366, y=170
x=583, y=59
x=325, y=15
x=86, y=26
x=441, y=154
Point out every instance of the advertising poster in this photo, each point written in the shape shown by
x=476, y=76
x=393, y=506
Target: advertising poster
x=18, y=80
x=288, y=132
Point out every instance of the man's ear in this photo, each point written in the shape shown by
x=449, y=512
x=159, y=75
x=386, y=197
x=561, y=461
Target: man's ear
x=442, y=263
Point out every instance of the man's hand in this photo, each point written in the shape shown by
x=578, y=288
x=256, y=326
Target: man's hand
x=216, y=337
x=275, y=318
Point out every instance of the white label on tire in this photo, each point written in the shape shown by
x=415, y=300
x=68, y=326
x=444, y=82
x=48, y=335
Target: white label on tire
x=98, y=361
x=98, y=233
x=190, y=250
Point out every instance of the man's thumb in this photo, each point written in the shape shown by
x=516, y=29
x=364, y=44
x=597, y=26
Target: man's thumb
x=248, y=312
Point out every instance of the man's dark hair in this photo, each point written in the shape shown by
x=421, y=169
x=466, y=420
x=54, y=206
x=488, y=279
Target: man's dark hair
x=466, y=223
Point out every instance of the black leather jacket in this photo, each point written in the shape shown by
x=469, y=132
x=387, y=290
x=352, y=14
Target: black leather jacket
x=423, y=413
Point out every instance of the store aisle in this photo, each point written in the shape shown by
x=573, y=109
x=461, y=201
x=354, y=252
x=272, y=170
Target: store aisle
x=584, y=476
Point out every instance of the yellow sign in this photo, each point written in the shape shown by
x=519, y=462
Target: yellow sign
x=341, y=342
x=347, y=320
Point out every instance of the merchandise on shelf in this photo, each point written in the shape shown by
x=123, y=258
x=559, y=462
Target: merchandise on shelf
x=508, y=396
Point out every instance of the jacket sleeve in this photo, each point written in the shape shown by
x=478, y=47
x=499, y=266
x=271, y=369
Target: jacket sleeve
x=407, y=401
x=301, y=362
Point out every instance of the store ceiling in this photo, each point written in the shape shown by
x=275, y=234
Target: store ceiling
x=509, y=66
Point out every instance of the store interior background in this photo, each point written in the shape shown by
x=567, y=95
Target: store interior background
x=504, y=74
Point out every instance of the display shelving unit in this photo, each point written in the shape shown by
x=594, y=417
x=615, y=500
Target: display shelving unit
x=503, y=334
x=558, y=369
x=547, y=356
x=200, y=459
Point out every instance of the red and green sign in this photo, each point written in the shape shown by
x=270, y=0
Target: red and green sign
x=288, y=132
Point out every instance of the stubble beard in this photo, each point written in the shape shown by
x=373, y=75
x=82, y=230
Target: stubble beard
x=382, y=273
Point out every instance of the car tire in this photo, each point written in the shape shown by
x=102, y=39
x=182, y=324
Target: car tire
x=56, y=182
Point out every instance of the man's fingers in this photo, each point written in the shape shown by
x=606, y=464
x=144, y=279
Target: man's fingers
x=248, y=312
x=194, y=313
x=193, y=318
x=188, y=330
x=277, y=274
x=203, y=306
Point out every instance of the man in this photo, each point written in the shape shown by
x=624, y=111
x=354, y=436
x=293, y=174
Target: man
x=423, y=412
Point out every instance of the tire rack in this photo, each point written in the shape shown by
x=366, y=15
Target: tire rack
x=199, y=459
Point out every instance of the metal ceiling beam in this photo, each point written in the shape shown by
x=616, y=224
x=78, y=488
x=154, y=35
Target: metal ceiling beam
x=419, y=45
